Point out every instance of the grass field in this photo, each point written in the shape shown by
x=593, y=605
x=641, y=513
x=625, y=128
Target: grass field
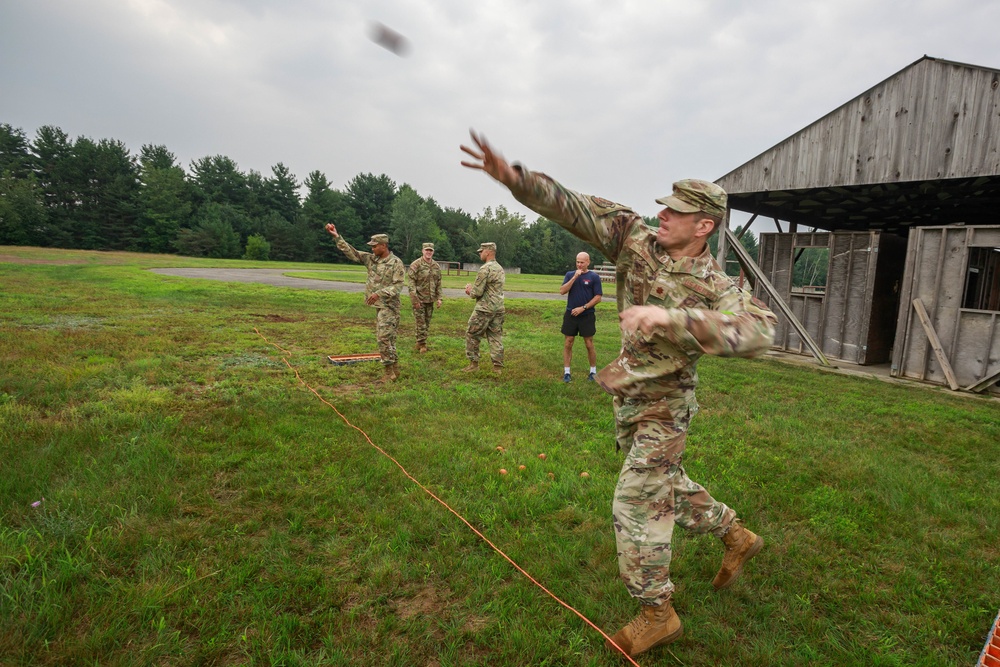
x=202, y=507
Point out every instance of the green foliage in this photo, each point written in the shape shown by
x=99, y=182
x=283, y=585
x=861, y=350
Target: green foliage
x=22, y=214
x=371, y=197
x=257, y=248
x=811, y=265
x=748, y=241
x=164, y=200
x=412, y=225
x=92, y=194
x=214, y=234
x=504, y=228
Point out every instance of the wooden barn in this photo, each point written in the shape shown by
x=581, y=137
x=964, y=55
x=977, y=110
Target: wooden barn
x=897, y=193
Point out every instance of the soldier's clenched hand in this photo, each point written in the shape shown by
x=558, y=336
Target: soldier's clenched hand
x=330, y=227
x=643, y=319
x=488, y=160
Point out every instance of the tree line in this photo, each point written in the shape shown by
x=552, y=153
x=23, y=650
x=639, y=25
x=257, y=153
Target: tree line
x=60, y=192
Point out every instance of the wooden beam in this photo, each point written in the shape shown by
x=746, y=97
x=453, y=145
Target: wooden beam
x=751, y=267
x=935, y=344
x=743, y=230
x=723, y=250
x=984, y=383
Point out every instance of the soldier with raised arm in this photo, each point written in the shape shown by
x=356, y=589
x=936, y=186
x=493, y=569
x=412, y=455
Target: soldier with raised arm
x=382, y=288
x=675, y=304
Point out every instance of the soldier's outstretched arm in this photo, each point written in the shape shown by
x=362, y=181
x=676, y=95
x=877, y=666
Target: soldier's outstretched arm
x=488, y=160
x=597, y=221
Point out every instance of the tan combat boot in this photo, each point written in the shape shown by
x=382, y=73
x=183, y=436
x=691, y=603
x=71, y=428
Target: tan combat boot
x=395, y=371
x=387, y=374
x=473, y=366
x=497, y=369
x=741, y=546
x=654, y=626
x=422, y=348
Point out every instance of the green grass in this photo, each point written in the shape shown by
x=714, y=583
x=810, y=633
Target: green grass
x=203, y=508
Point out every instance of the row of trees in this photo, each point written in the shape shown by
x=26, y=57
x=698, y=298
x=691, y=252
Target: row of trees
x=59, y=192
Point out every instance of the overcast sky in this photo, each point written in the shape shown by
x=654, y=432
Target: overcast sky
x=617, y=99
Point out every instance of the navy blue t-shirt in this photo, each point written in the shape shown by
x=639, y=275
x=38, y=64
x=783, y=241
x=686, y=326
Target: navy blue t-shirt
x=583, y=290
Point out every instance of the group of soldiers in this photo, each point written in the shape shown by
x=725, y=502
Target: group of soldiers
x=384, y=285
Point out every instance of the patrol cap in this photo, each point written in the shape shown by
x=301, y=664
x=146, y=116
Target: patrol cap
x=487, y=246
x=427, y=246
x=692, y=195
x=379, y=238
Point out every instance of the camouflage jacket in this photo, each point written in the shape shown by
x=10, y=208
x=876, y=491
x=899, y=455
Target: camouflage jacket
x=488, y=288
x=425, y=280
x=708, y=313
x=385, y=275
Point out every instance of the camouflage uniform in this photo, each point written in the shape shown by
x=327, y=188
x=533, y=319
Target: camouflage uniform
x=425, y=289
x=385, y=278
x=653, y=380
x=487, y=317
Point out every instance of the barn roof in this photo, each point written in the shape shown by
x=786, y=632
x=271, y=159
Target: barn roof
x=922, y=147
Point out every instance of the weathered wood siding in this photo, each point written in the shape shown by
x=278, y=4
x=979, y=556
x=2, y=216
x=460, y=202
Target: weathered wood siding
x=933, y=120
x=847, y=321
x=936, y=265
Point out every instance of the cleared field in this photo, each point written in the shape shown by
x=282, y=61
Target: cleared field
x=171, y=494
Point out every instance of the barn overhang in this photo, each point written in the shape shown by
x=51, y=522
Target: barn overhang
x=888, y=207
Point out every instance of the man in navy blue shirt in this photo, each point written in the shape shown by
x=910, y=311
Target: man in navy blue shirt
x=584, y=288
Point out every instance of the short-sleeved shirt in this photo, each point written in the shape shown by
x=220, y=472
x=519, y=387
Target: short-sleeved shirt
x=583, y=290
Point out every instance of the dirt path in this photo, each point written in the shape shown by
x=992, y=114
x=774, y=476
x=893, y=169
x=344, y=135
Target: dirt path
x=275, y=277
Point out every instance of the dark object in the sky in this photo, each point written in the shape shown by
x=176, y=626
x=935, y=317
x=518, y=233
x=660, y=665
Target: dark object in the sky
x=389, y=39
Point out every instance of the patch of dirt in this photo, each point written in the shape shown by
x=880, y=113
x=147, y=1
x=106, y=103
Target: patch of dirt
x=14, y=259
x=425, y=602
x=276, y=318
x=475, y=624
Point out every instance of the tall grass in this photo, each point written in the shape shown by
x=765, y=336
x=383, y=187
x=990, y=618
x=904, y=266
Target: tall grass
x=202, y=507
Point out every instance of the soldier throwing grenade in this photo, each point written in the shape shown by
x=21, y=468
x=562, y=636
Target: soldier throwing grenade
x=675, y=303
x=385, y=280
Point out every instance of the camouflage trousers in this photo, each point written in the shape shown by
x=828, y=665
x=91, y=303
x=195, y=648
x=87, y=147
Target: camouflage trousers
x=489, y=325
x=654, y=493
x=386, y=325
x=422, y=314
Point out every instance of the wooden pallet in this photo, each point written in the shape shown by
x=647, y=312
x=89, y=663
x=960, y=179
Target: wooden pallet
x=347, y=359
x=990, y=657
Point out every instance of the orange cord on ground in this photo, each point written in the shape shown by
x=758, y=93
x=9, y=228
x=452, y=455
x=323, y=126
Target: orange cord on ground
x=443, y=503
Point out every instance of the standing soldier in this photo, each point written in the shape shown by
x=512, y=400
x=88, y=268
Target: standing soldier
x=424, y=276
x=487, y=318
x=675, y=303
x=385, y=280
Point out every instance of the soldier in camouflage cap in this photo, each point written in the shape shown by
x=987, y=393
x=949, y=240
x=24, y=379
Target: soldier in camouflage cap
x=424, y=276
x=675, y=303
x=487, y=317
x=382, y=288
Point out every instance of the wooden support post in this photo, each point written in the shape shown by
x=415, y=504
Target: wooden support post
x=751, y=267
x=984, y=383
x=723, y=250
x=935, y=344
